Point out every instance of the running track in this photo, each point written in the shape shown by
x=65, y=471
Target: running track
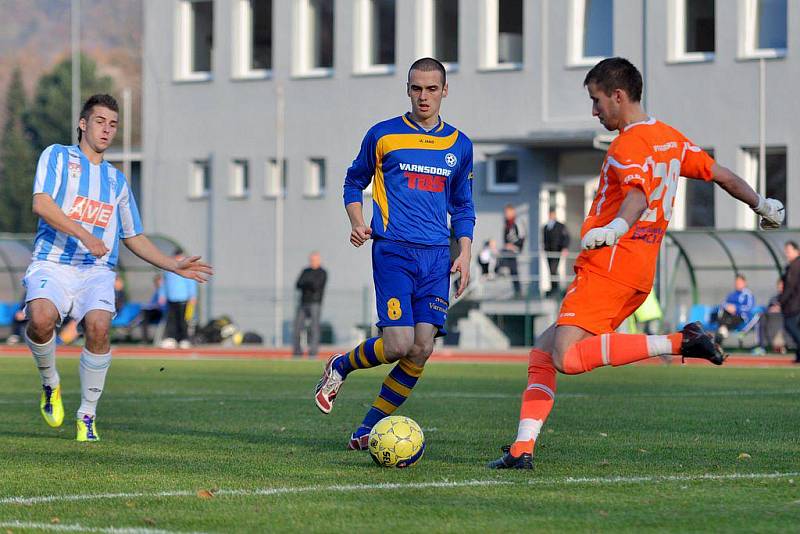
x=443, y=355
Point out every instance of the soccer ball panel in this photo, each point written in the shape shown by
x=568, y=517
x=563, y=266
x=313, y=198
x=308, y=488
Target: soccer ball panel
x=396, y=441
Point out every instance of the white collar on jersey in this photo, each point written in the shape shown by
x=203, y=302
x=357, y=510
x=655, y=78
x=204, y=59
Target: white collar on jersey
x=649, y=121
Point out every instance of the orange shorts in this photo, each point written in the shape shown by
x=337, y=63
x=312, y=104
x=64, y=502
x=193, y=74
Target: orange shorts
x=598, y=304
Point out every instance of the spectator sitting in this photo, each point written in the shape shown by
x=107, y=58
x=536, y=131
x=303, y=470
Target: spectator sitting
x=152, y=312
x=18, y=324
x=736, y=310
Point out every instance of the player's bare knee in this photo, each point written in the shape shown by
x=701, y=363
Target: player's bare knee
x=41, y=328
x=97, y=336
x=395, y=349
x=420, y=353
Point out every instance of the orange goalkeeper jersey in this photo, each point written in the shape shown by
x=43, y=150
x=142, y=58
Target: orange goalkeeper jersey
x=650, y=156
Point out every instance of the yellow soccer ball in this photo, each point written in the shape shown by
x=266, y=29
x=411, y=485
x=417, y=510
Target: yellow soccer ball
x=396, y=441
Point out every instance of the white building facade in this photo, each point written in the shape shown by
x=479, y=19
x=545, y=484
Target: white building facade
x=254, y=109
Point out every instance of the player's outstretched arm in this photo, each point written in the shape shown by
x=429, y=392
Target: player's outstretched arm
x=46, y=208
x=190, y=267
x=770, y=211
x=359, y=231
x=632, y=207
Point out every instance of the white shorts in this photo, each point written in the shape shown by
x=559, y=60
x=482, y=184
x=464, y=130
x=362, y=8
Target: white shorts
x=75, y=290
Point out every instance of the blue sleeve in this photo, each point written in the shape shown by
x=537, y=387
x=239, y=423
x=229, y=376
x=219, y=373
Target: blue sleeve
x=459, y=204
x=192, y=289
x=360, y=173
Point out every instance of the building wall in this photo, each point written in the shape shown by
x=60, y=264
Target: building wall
x=714, y=102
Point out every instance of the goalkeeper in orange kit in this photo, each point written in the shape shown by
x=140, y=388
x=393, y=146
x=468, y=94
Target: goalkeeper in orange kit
x=621, y=237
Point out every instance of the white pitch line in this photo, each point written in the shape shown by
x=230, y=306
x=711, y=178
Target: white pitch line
x=665, y=478
x=245, y=492
x=82, y=528
x=339, y=488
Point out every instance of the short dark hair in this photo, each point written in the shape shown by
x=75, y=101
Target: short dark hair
x=792, y=243
x=616, y=73
x=178, y=251
x=741, y=277
x=107, y=101
x=428, y=64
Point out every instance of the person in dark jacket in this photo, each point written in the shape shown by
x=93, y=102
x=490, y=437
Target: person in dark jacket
x=790, y=296
x=311, y=284
x=556, y=245
x=513, y=241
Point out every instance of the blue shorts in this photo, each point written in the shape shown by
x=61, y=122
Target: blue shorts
x=412, y=283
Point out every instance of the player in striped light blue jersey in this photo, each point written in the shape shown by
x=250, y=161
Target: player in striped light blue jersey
x=85, y=207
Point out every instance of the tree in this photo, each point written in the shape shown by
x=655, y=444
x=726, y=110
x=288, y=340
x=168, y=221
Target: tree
x=17, y=163
x=48, y=119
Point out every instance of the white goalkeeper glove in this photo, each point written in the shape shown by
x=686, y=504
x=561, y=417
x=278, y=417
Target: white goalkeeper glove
x=607, y=235
x=771, y=212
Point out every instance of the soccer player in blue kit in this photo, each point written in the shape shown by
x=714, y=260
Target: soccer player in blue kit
x=86, y=208
x=421, y=171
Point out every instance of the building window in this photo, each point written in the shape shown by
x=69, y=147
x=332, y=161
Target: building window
x=199, y=178
x=764, y=29
x=315, y=178
x=503, y=37
x=692, y=28
x=195, y=40
x=773, y=184
x=375, y=36
x=592, y=31
x=693, y=205
x=240, y=179
x=275, y=179
x=313, y=51
x=437, y=30
x=699, y=199
x=503, y=174
x=252, y=41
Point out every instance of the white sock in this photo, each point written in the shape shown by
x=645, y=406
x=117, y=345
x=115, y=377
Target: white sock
x=658, y=345
x=93, y=369
x=529, y=429
x=45, y=357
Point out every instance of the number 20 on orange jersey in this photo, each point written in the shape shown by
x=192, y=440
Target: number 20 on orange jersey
x=664, y=193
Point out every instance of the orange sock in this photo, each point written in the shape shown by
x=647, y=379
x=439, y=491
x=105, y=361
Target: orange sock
x=537, y=401
x=617, y=349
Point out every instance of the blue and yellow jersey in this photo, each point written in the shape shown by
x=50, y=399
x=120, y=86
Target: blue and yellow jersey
x=417, y=177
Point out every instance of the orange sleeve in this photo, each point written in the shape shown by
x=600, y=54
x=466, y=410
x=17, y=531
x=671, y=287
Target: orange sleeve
x=631, y=163
x=696, y=162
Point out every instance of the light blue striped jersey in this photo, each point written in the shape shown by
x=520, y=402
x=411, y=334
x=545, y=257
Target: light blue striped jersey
x=96, y=196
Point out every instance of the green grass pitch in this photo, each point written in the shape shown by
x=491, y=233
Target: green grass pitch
x=238, y=446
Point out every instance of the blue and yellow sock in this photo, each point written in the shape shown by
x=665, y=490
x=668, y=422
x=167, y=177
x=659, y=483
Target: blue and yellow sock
x=395, y=390
x=368, y=354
